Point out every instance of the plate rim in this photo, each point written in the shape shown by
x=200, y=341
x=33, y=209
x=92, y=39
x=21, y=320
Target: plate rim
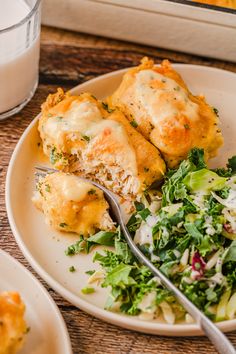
x=104, y=315
x=29, y=275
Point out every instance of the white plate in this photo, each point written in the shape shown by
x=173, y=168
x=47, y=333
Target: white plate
x=48, y=333
x=44, y=247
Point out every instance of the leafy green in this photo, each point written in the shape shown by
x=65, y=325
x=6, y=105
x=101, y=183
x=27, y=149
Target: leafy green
x=193, y=232
x=167, y=267
x=144, y=213
x=173, y=184
x=88, y=290
x=105, y=238
x=230, y=254
x=133, y=223
x=174, y=188
x=75, y=248
x=72, y=269
x=119, y=276
x=204, y=180
x=123, y=251
x=196, y=157
x=188, y=243
x=232, y=164
x=230, y=170
x=139, y=206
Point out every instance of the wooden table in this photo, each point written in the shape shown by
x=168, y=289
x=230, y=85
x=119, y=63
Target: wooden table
x=68, y=59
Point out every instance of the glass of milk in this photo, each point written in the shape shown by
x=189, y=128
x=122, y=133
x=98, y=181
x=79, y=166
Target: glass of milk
x=19, y=53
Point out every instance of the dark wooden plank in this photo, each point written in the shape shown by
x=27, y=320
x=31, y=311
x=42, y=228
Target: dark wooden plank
x=80, y=57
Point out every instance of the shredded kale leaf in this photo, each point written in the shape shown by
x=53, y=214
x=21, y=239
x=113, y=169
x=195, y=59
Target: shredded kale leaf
x=191, y=239
x=105, y=238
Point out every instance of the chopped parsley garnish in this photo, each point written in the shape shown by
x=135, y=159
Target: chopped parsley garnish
x=87, y=290
x=85, y=137
x=106, y=107
x=186, y=126
x=134, y=123
x=72, y=269
x=76, y=247
x=215, y=110
x=92, y=191
x=151, y=125
x=63, y=224
x=47, y=188
x=53, y=156
x=90, y=272
x=177, y=88
x=49, y=115
x=57, y=156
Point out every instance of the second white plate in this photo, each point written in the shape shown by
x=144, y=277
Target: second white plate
x=44, y=248
x=48, y=333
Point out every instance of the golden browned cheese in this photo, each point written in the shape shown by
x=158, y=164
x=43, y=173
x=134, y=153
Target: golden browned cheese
x=12, y=324
x=224, y=3
x=82, y=135
x=166, y=112
x=71, y=204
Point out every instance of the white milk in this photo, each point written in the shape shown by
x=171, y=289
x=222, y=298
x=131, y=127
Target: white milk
x=19, y=54
x=12, y=12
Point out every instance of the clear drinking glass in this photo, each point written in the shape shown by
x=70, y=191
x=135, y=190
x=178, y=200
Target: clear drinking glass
x=19, y=53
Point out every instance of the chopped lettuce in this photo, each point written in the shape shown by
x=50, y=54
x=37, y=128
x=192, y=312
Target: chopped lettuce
x=230, y=253
x=188, y=243
x=204, y=181
x=190, y=237
x=105, y=238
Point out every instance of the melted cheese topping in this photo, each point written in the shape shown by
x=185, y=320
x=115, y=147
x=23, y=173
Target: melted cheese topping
x=71, y=204
x=162, y=97
x=80, y=117
x=86, y=118
x=75, y=189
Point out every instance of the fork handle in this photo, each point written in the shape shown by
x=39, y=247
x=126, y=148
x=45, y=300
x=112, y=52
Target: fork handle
x=218, y=339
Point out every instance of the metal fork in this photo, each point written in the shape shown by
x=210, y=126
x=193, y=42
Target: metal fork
x=219, y=340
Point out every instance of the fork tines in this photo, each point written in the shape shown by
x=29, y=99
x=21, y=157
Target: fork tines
x=45, y=169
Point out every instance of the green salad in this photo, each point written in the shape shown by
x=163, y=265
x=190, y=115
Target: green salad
x=189, y=232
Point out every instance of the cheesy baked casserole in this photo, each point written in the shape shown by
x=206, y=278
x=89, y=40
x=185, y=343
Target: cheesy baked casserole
x=12, y=324
x=224, y=3
x=83, y=136
x=71, y=204
x=159, y=104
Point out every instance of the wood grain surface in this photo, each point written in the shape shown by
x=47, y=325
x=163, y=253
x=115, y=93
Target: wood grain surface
x=67, y=59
